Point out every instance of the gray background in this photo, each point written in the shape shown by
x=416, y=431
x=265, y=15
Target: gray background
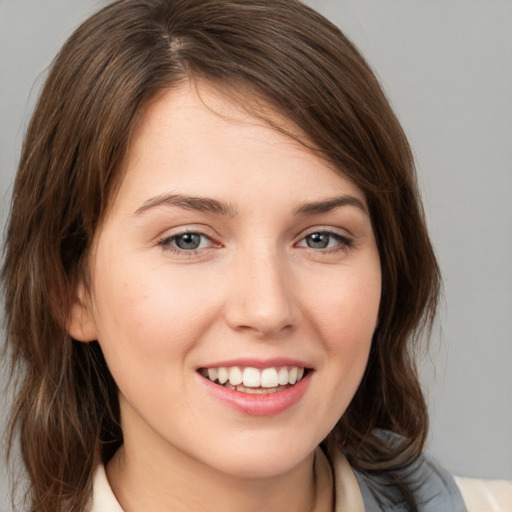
x=447, y=68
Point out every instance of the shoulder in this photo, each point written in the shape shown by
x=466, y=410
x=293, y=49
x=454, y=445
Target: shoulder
x=421, y=484
x=430, y=486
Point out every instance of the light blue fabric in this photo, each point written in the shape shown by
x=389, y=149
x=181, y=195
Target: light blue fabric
x=433, y=488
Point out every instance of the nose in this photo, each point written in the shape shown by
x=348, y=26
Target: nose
x=263, y=298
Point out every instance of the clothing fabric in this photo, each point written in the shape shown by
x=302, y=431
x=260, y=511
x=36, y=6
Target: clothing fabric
x=434, y=489
x=486, y=495
x=103, y=499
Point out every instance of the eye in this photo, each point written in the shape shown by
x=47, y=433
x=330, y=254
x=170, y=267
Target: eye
x=186, y=242
x=325, y=240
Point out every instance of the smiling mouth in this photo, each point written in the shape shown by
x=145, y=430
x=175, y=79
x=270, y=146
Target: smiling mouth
x=255, y=380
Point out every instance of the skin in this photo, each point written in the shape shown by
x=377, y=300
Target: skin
x=254, y=288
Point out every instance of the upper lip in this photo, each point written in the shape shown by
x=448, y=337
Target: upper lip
x=259, y=363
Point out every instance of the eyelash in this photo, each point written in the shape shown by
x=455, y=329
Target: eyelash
x=167, y=243
x=343, y=243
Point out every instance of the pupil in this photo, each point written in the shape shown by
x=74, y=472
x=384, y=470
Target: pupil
x=318, y=241
x=188, y=241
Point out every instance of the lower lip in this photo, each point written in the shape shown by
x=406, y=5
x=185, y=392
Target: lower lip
x=269, y=404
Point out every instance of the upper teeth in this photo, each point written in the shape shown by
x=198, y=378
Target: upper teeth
x=254, y=377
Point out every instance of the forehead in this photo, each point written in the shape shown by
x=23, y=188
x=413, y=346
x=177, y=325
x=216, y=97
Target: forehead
x=193, y=101
x=197, y=140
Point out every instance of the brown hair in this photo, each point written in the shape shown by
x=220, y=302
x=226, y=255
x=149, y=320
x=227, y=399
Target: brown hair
x=66, y=409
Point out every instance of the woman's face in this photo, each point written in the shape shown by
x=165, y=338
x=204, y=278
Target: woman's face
x=230, y=252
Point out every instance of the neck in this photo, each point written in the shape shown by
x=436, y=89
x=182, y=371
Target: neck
x=142, y=480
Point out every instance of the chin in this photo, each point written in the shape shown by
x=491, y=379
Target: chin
x=259, y=460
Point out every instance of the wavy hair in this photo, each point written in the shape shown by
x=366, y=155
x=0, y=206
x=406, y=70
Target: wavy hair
x=66, y=412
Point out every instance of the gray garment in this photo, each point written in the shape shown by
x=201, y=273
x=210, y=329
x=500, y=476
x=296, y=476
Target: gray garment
x=433, y=488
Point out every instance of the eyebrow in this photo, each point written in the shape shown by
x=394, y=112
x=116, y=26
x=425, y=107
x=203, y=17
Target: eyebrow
x=326, y=205
x=208, y=205
x=201, y=204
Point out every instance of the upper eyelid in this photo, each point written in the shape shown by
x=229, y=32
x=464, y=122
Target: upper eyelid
x=177, y=231
x=342, y=238
x=343, y=232
x=186, y=232
x=345, y=238
x=165, y=243
x=211, y=234
x=187, y=228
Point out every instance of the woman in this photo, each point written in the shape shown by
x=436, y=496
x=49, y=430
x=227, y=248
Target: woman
x=217, y=261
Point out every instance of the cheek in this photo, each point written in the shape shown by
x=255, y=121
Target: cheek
x=145, y=327
x=348, y=311
x=347, y=318
x=148, y=312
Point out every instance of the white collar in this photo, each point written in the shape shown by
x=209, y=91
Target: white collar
x=347, y=492
x=103, y=499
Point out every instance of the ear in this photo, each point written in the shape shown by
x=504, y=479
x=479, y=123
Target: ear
x=82, y=325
